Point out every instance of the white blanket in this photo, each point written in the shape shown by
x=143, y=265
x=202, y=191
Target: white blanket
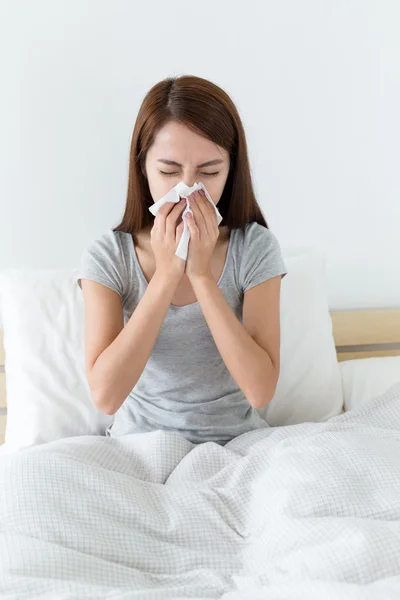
x=300, y=512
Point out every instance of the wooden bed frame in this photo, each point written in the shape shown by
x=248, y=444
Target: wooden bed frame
x=366, y=333
x=357, y=333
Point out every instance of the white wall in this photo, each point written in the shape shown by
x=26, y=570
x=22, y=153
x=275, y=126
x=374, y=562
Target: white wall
x=317, y=84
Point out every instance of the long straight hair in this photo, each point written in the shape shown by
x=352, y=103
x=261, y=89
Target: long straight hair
x=206, y=109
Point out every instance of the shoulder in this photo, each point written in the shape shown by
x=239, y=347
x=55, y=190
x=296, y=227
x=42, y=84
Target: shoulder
x=111, y=243
x=255, y=237
x=260, y=255
x=255, y=231
x=111, y=249
x=105, y=260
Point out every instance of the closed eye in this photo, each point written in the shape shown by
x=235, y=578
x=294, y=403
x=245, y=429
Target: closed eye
x=206, y=174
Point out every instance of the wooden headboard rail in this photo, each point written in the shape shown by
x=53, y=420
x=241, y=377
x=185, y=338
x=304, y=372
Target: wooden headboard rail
x=366, y=333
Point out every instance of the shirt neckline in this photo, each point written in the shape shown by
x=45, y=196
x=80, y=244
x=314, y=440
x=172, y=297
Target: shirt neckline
x=192, y=304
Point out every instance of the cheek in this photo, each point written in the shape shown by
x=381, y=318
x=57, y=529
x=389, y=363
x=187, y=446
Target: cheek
x=160, y=185
x=215, y=190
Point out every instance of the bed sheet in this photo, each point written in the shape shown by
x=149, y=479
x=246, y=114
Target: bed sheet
x=303, y=511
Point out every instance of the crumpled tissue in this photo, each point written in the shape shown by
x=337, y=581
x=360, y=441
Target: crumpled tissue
x=181, y=190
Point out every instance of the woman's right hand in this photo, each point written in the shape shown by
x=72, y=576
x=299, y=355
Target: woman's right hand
x=164, y=239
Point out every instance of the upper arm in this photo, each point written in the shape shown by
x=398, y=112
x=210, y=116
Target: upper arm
x=103, y=319
x=103, y=277
x=261, y=271
x=261, y=317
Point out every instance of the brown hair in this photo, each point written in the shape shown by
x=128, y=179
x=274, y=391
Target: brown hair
x=206, y=109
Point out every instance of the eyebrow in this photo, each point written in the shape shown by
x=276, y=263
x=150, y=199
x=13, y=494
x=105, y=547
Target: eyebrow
x=209, y=163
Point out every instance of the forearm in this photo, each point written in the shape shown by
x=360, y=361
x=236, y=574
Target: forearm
x=249, y=364
x=119, y=367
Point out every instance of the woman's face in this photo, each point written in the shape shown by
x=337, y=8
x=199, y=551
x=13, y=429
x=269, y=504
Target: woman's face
x=176, y=143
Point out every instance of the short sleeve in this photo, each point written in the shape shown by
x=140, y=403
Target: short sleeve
x=103, y=261
x=262, y=257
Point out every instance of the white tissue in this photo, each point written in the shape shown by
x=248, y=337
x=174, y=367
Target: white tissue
x=181, y=190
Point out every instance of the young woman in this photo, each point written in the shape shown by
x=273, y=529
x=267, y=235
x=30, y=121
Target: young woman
x=186, y=346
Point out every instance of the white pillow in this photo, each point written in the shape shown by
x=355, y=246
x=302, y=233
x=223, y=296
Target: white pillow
x=47, y=393
x=367, y=378
x=309, y=386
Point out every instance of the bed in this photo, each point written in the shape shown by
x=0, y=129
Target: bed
x=309, y=510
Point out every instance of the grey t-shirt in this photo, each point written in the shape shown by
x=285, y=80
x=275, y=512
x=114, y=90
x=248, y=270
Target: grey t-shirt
x=185, y=385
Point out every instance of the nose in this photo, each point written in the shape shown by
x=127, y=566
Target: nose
x=190, y=183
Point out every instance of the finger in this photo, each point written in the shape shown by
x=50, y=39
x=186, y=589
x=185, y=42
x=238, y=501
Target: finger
x=194, y=230
x=166, y=208
x=198, y=213
x=179, y=231
x=209, y=213
x=161, y=215
x=170, y=222
x=209, y=207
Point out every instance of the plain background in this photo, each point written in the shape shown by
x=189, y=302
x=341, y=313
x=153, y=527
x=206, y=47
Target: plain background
x=317, y=84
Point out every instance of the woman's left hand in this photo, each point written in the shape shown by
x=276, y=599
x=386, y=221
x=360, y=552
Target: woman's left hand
x=204, y=233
